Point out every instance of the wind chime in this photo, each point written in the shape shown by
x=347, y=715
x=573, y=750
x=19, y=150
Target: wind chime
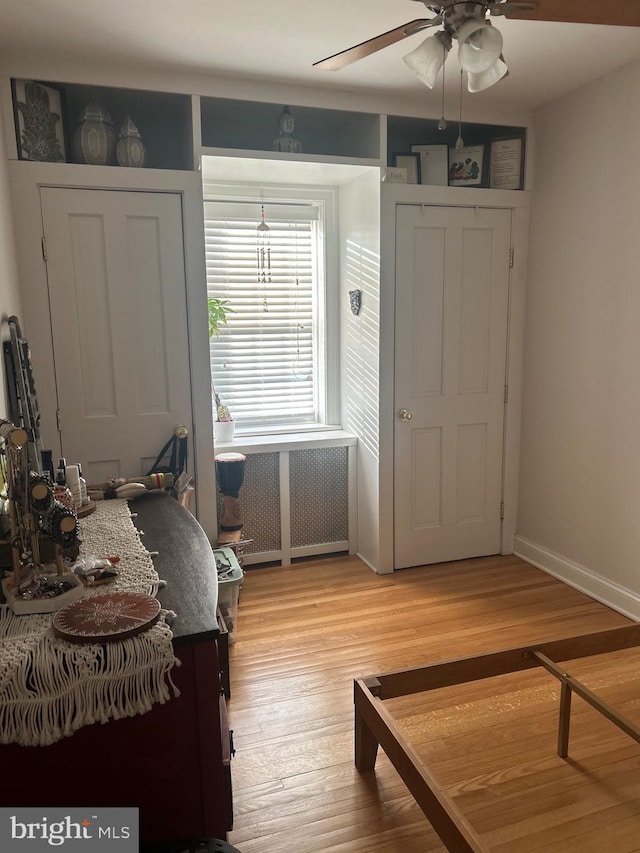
x=300, y=374
x=264, y=257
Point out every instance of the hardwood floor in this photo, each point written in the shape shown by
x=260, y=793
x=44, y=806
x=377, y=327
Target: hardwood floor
x=305, y=632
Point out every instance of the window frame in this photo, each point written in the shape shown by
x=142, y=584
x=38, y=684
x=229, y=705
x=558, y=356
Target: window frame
x=327, y=307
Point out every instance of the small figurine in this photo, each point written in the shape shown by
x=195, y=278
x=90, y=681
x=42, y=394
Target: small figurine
x=355, y=301
x=286, y=141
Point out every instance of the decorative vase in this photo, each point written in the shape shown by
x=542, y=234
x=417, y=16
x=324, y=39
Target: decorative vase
x=130, y=151
x=94, y=139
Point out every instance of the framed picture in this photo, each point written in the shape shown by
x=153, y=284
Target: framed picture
x=395, y=175
x=39, y=121
x=434, y=164
x=410, y=161
x=506, y=168
x=466, y=166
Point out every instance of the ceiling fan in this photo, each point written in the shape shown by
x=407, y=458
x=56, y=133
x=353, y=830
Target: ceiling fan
x=479, y=43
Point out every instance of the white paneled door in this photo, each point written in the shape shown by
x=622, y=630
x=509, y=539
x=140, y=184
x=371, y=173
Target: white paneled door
x=116, y=276
x=452, y=290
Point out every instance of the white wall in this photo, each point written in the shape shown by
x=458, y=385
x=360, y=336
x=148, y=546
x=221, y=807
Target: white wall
x=579, y=506
x=359, y=216
x=9, y=292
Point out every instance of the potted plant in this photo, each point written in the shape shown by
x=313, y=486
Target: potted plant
x=218, y=310
x=223, y=426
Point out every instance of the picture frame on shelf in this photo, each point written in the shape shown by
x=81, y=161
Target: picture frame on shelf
x=434, y=164
x=39, y=121
x=506, y=165
x=394, y=175
x=409, y=160
x=466, y=166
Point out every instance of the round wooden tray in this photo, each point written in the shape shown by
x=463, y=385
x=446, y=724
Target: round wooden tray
x=86, y=510
x=104, y=618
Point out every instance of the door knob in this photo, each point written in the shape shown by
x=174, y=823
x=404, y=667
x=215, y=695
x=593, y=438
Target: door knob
x=405, y=415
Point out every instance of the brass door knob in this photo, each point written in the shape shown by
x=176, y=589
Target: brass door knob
x=405, y=415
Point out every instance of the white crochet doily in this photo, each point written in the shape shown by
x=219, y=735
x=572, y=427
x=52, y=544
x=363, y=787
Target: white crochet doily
x=49, y=688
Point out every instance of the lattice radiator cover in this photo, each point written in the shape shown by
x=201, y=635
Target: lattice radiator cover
x=318, y=497
x=319, y=487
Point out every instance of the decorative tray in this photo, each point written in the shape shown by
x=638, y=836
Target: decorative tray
x=104, y=618
x=26, y=607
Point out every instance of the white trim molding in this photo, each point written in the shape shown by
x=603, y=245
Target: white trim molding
x=607, y=592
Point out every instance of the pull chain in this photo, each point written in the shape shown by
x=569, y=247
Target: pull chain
x=459, y=140
x=442, y=123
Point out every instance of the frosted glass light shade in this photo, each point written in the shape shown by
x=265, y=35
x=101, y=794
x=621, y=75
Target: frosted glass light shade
x=428, y=58
x=482, y=81
x=479, y=45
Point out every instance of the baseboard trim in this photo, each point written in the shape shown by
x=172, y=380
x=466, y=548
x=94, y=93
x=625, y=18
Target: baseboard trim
x=605, y=591
x=372, y=566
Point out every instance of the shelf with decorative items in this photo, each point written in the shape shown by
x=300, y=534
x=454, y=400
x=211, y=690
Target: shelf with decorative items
x=453, y=153
x=102, y=126
x=78, y=123
x=289, y=131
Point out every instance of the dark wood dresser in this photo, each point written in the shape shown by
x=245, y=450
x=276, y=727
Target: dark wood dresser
x=173, y=762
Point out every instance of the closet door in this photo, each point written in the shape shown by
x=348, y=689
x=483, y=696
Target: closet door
x=116, y=278
x=452, y=288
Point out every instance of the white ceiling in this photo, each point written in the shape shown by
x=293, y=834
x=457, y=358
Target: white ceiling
x=278, y=40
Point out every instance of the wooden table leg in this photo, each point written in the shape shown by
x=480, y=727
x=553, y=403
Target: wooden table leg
x=366, y=743
x=564, y=721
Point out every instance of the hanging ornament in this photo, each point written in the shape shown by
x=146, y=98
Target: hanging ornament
x=264, y=256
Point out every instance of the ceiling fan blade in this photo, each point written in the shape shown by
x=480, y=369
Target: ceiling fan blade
x=621, y=13
x=366, y=48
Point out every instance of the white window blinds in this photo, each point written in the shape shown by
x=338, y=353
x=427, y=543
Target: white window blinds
x=264, y=360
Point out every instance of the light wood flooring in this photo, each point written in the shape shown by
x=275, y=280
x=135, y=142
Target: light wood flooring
x=304, y=632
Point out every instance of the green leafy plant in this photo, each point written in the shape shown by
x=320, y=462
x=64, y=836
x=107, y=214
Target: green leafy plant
x=218, y=310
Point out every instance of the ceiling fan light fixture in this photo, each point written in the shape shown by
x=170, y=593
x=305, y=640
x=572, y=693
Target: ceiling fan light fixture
x=428, y=58
x=485, y=79
x=479, y=45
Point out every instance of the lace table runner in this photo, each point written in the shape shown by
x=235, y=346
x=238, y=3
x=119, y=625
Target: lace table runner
x=49, y=688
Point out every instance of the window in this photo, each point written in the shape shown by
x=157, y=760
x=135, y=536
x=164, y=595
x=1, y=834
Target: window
x=269, y=362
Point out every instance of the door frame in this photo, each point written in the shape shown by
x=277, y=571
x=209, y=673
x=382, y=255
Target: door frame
x=26, y=179
x=519, y=203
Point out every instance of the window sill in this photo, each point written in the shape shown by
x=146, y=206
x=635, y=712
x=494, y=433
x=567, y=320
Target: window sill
x=286, y=441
